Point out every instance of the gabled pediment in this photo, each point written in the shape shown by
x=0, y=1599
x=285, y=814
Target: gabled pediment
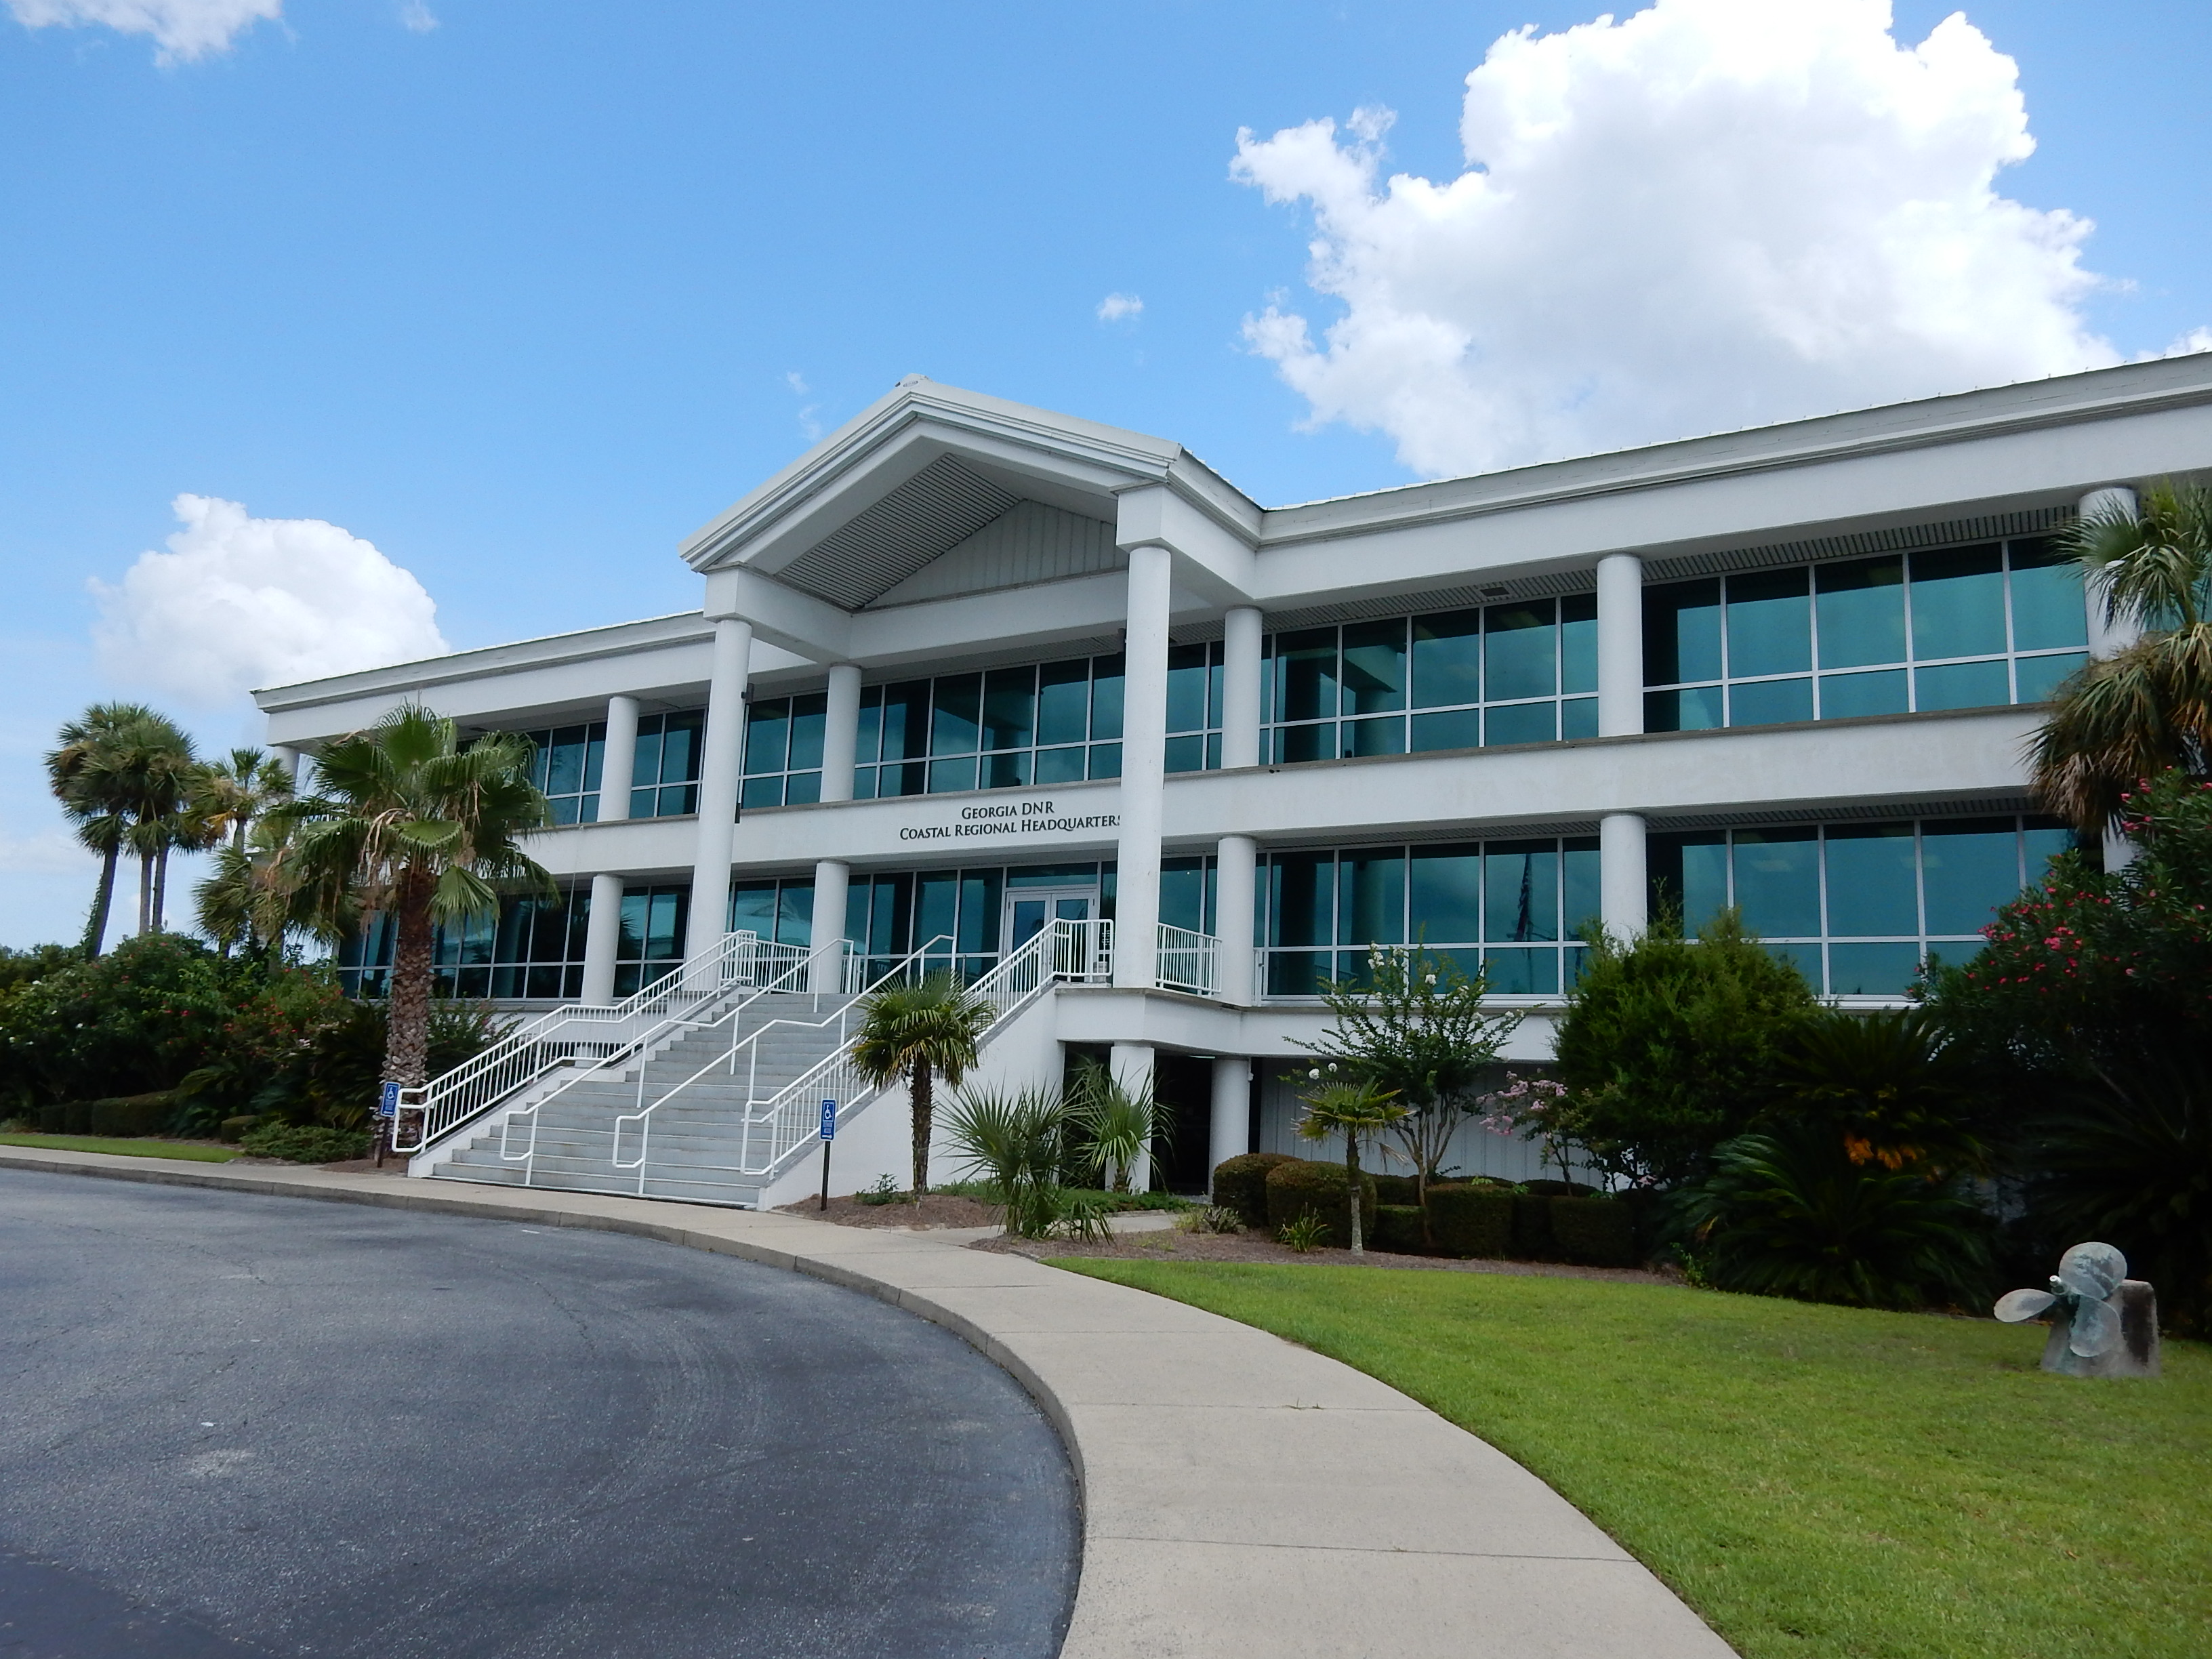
x=1031, y=542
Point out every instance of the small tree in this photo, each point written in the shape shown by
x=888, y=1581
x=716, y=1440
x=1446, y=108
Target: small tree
x=922, y=1032
x=1351, y=1110
x=1417, y=1032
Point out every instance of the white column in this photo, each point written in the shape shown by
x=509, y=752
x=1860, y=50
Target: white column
x=619, y=760
x=602, y=938
x=1624, y=895
x=2108, y=637
x=1231, y=1134
x=841, y=731
x=1240, y=686
x=288, y=758
x=1144, y=760
x=832, y=877
x=718, y=764
x=1130, y=1063
x=1620, y=646
x=1235, y=893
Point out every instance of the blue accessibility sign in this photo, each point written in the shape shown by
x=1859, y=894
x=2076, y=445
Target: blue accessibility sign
x=828, y=1120
x=388, y=1104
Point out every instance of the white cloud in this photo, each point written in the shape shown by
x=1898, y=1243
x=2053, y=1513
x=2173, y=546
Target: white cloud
x=417, y=17
x=239, y=601
x=43, y=852
x=1115, y=307
x=1714, y=214
x=182, y=29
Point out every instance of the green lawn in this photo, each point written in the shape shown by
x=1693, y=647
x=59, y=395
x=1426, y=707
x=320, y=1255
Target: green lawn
x=199, y=1152
x=1815, y=1481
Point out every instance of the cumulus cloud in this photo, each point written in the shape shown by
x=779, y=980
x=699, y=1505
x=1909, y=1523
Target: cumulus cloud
x=1713, y=214
x=239, y=601
x=1116, y=307
x=417, y=17
x=182, y=29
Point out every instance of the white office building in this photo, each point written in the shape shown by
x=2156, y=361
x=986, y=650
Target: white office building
x=978, y=685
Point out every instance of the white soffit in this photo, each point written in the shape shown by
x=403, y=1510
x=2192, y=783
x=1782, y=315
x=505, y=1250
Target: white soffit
x=1030, y=543
x=924, y=518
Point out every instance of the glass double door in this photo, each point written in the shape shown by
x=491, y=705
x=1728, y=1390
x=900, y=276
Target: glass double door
x=1029, y=908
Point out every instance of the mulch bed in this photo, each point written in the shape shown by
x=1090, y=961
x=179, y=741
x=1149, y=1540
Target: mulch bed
x=935, y=1210
x=1174, y=1245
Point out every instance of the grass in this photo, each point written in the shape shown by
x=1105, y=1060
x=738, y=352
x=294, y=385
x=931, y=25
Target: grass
x=199, y=1152
x=1815, y=1481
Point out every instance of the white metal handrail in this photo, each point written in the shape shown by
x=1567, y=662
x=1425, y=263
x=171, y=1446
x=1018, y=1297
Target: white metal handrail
x=643, y=1116
x=1188, y=960
x=1063, y=950
x=795, y=979
x=598, y=1030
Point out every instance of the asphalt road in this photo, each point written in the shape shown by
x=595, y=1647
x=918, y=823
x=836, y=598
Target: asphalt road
x=245, y=1426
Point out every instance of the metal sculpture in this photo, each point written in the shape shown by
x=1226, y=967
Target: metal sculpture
x=2103, y=1323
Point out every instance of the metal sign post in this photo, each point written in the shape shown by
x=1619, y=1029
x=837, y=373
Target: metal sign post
x=829, y=1134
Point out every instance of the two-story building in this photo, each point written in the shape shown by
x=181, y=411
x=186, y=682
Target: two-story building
x=969, y=671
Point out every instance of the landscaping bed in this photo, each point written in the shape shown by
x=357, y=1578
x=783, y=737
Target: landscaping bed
x=1821, y=1481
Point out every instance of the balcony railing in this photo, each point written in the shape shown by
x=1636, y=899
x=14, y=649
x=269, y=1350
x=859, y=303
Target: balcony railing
x=1187, y=961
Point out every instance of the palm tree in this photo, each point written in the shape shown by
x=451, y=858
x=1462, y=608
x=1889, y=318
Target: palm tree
x=121, y=772
x=922, y=1032
x=406, y=821
x=90, y=798
x=2129, y=716
x=1352, y=1110
x=228, y=796
x=1118, y=1124
x=253, y=898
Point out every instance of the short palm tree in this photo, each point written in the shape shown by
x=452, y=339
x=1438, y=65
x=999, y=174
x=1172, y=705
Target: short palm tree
x=1117, y=1125
x=2130, y=716
x=228, y=796
x=1351, y=1110
x=407, y=822
x=252, y=899
x=922, y=1032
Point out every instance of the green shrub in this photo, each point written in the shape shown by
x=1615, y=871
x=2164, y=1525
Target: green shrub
x=1558, y=1188
x=1240, y=1184
x=1398, y=1226
x=1396, y=1189
x=132, y=1115
x=1532, y=1227
x=1472, y=1220
x=54, y=1117
x=235, y=1128
x=1297, y=1188
x=1598, y=1232
x=304, y=1144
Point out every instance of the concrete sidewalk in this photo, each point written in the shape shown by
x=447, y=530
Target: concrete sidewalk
x=1241, y=1494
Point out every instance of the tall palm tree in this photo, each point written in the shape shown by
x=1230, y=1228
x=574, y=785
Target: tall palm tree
x=252, y=898
x=2129, y=716
x=922, y=1032
x=407, y=822
x=228, y=796
x=91, y=798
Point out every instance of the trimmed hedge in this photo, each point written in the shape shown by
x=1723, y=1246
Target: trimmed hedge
x=120, y=1117
x=1240, y=1184
x=1598, y=1232
x=1398, y=1227
x=1472, y=1220
x=1558, y=1189
x=309, y=1143
x=1396, y=1189
x=1296, y=1186
x=1532, y=1228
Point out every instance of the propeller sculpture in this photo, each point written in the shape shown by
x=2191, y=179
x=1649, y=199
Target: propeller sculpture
x=2105, y=1324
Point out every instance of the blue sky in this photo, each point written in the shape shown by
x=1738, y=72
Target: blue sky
x=519, y=298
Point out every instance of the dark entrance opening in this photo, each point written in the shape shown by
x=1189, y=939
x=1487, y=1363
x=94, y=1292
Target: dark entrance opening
x=1184, y=1085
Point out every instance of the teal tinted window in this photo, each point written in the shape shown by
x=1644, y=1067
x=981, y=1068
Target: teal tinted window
x=1186, y=688
x=1768, y=623
x=1522, y=973
x=1860, y=607
x=1579, y=642
x=2048, y=609
x=1301, y=899
x=1777, y=882
x=1968, y=870
x=1958, y=603
x=1183, y=893
x=1682, y=633
x=1305, y=675
x=1770, y=702
x=1009, y=709
x=1697, y=708
x=768, y=732
x=1063, y=702
x=1375, y=667
x=1961, y=685
x=752, y=909
x=1873, y=888
x=955, y=717
x=1445, y=894
x=1063, y=766
x=1371, y=897
x=1106, y=678
x=1579, y=718
x=2037, y=679
x=1457, y=728
x=1520, y=891
x=1386, y=736
x=1581, y=898
x=1447, y=662
x=1521, y=651
x=1520, y=722
x=1868, y=970
x=1872, y=691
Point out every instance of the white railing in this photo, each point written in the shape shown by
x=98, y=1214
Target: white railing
x=584, y=1029
x=796, y=979
x=1063, y=951
x=906, y=967
x=1187, y=961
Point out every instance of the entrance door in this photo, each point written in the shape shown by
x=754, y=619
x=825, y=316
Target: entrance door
x=1029, y=908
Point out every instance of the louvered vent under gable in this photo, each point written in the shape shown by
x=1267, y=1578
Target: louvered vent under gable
x=1032, y=543
x=925, y=517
